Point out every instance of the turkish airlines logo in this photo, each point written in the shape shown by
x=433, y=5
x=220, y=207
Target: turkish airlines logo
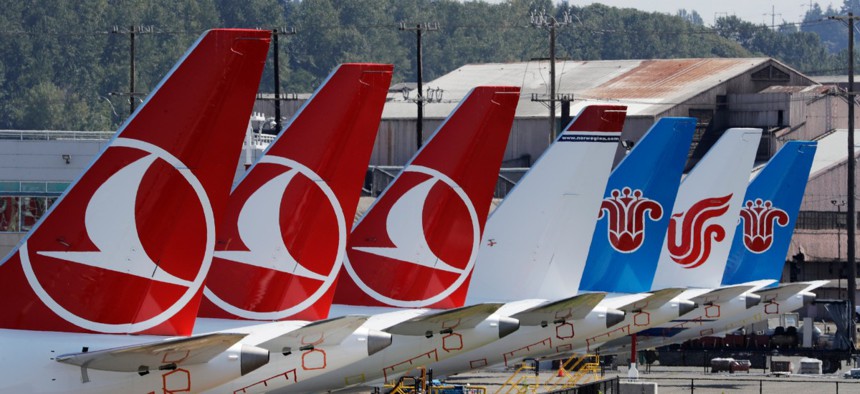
x=120, y=242
x=626, y=211
x=690, y=235
x=758, y=219
x=406, y=224
x=261, y=226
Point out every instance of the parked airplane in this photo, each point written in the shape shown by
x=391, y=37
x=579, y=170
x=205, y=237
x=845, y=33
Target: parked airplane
x=758, y=251
x=477, y=129
x=126, y=248
x=700, y=228
x=548, y=221
x=284, y=234
x=698, y=232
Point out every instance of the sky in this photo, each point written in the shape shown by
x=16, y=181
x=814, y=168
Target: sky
x=756, y=11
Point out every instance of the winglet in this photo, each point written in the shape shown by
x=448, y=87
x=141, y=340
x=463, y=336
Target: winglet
x=536, y=241
x=169, y=169
x=288, y=219
x=416, y=245
x=769, y=212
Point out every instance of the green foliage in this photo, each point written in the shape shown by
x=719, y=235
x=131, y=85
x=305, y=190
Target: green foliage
x=64, y=64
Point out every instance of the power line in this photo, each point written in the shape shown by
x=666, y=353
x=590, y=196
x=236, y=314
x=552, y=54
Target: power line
x=550, y=23
x=132, y=31
x=851, y=209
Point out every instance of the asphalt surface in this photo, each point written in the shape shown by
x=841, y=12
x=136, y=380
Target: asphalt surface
x=676, y=380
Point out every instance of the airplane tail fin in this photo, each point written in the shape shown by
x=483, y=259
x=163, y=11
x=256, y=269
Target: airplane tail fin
x=127, y=247
x=635, y=212
x=288, y=219
x=705, y=214
x=416, y=245
x=769, y=211
x=543, y=223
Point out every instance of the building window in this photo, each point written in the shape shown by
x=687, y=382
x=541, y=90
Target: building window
x=22, y=204
x=9, y=218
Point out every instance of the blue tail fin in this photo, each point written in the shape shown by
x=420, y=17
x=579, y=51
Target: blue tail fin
x=636, y=209
x=769, y=212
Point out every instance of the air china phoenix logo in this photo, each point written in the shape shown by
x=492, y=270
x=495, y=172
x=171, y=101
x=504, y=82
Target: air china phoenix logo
x=691, y=236
x=265, y=227
x=118, y=243
x=625, y=211
x=409, y=250
x=758, y=219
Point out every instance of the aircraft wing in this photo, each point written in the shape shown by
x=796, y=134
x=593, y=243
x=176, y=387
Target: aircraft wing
x=722, y=294
x=655, y=300
x=576, y=307
x=164, y=354
x=445, y=321
x=327, y=332
x=782, y=292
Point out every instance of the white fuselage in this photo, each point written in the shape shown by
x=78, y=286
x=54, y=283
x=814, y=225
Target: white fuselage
x=405, y=354
x=633, y=323
x=28, y=362
x=728, y=317
x=536, y=341
x=285, y=370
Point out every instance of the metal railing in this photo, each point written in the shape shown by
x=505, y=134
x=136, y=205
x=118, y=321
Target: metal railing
x=606, y=386
x=53, y=135
x=755, y=385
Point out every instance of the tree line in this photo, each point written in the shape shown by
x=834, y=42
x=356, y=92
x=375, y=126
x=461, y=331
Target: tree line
x=64, y=64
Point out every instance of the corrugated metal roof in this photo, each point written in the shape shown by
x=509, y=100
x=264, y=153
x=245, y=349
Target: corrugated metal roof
x=648, y=87
x=832, y=150
x=816, y=89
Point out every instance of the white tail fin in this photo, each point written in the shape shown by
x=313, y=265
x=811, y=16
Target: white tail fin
x=542, y=226
x=706, y=213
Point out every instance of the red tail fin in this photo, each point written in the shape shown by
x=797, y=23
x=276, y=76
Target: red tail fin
x=127, y=247
x=287, y=221
x=598, y=118
x=417, y=244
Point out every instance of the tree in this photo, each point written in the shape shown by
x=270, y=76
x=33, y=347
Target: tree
x=693, y=17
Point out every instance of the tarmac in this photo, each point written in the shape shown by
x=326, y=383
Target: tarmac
x=677, y=380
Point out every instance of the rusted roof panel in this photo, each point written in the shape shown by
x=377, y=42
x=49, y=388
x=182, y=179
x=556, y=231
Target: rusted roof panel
x=670, y=78
x=647, y=87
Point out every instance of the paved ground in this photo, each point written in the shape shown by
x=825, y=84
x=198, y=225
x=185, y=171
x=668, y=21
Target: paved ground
x=676, y=380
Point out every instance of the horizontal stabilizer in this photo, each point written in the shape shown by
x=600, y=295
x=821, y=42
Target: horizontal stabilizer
x=781, y=292
x=166, y=354
x=722, y=294
x=445, y=321
x=320, y=333
x=653, y=301
x=812, y=285
x=573, y=308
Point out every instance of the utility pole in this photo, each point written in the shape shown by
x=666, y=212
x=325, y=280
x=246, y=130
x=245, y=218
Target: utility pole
x=773, y=15
x=132, y=31
x=851, y=209
x=276, y=54
x=549, y=22
x=418, y=29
